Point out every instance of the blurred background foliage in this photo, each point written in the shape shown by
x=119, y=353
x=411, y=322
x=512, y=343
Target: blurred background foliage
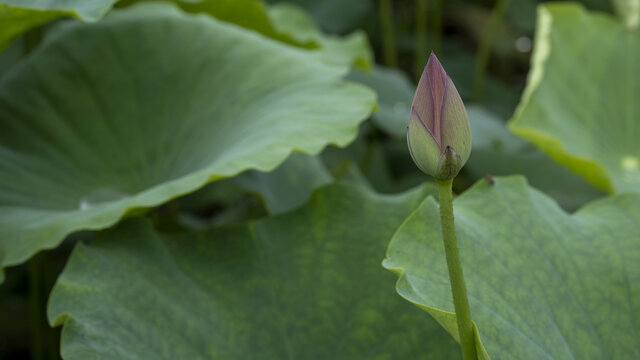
x=484, y=45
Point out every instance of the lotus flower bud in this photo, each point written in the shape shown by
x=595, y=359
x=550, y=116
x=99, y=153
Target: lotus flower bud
x=438, y=135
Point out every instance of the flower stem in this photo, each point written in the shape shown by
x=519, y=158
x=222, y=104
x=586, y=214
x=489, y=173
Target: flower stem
x=456, y=277
x=389, y=51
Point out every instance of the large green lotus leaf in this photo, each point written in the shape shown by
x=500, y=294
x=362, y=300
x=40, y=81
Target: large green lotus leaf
x=337, y=16
x=18, y=16
x=581, y=104
x=250, y=14
x=542, y=284
x=284, y=22
x=305, y=285
x=149, y=104
x=288, y=23
x=293, y=20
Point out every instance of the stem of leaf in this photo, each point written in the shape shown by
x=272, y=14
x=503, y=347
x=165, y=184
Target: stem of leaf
x=484, y=49
x=421, y=38
x=35, y=272
x=388, y=34
x=436, y=26
x=456, y=277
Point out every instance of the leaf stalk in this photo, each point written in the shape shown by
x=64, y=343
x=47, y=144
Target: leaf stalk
x=421, y=37
x=385, y=11
x=484, y=49
x=35, y=312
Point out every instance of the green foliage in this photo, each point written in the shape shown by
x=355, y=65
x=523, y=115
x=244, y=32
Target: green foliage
x=18, y=16
x=580, y=105
x=542, y=284
x=99, y=123
x=306, y=285
x=235, y=132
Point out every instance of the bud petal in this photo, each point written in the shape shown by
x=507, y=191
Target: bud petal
x=424, y=150
x=429, y=96
x=449, y=164
x=454, y=124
